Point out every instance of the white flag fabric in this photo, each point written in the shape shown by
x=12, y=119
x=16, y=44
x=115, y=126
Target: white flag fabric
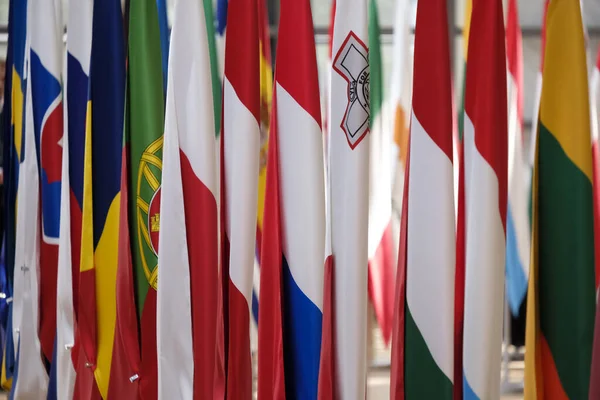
x=188, y=279
x=32, y=379
x=349, y=148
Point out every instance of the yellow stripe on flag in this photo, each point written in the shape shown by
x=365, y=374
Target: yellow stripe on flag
x=87, y=216
x=467, y=27
x=16, y=117
x=266, y=95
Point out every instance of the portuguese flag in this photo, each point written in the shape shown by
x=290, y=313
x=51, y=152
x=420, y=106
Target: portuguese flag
x=146, y=107
x=561, y=302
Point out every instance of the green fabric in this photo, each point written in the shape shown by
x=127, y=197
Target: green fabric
x=145, y=126
x=461, y=110
x=214, y=63
x=423, y=378
x=566, y=264
x=375, y=84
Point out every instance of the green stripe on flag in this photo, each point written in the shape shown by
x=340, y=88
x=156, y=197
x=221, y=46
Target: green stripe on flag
x=214, y=63
x=375, y=84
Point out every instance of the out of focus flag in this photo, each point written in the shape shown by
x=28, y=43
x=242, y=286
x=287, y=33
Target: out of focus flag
x=293, y=246
x=349, y=149
x=221, y=17
x=239, y=159
x=518, y=232
x=561, y=300
x=485, y=157
x=188, y=276
x=423, y=365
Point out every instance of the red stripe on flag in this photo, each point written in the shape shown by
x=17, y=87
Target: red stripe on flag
x=126, y=350
x=202, y=229
x=271, y=375
x=149, y=363
x=239, y=366
x=381, y=283
x=327, y=368
x=398, y=330
x=514, y=53
x=47, y=300
x=242, y=59
x=85, y=382
x=459, y=278
x=486, y=73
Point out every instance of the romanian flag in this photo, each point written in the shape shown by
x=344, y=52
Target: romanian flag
x=146, y=104
x=189, y=246
x=293, y=245
x=101, y=194
x=561, y=297
x=240, y=147
x=423, y=366
x=46, y=58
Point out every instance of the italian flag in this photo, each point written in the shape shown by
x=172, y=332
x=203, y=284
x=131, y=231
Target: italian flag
x=561, y=301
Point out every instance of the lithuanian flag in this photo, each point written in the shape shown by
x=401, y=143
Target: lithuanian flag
x=561, y=303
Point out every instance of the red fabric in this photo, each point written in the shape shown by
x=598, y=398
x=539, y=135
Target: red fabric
x=87, y=315
x=382, y=284
x=85, y=383
x=271, y=376
x=149, y=362
x=514, y=53
x=202, y=228
x=47, y=299
x=399, y=328
x=126, y=350
x=459, y=286
x=327, y=367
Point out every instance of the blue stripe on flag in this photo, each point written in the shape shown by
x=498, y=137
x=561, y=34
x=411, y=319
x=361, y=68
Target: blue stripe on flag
x=221, y=16
x=468, y=393
x=516, y=281
x=52, y=384
x=163, y=23
x=302, y=321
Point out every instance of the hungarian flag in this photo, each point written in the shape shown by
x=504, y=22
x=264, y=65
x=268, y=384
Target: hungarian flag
x=518, y=231
x=595, y=114
x=101, y=196
x=145, y=105
x=427, y=313
x=13, y=156
x=400, y=94
x=381, y=252
x=30, y=378
x=293, y=246
x=240, y=148
x=188, y=291
x=46, y=58
x=79, y=45
x=349, y=149
x=486, y=153
x=562, y=297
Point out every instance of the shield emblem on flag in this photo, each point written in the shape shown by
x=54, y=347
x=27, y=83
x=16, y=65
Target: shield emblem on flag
x=352, y=63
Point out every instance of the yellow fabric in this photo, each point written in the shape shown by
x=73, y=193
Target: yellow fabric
x=106, y=258
x=266, y=96
x=16, y=117
x=564, y=106
x=87, y=217
x=467, y=27
x=6, y=383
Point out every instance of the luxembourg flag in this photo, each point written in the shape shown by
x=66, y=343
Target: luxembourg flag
x=293, y=246
x=486, y=154
x=519, y=174
x=187, y=293
x=349, y=149
x=45, y=22
x=30, y=380
x=240, y=149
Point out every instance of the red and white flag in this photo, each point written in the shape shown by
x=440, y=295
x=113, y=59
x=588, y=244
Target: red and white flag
x=188, y=289
x=349, y=148
x=240, y=149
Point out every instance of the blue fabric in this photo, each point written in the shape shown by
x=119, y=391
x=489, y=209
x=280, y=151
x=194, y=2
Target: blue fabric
x=52, y=395
x=221, y=16
x=516, y=281
x=468, y=393
x=163, y=23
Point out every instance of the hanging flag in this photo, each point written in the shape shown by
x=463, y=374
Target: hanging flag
x=349, y=147
x=400, y=94
x=146, y=123
x=381, y=253
x=294, y=231
x=538, y=89
x=595, y=114
x=563, y=232
x=517, y=221
x=187, y=295
x=46, y=86
x=240, y=147
x=222, y=18
x=428, y=229
x=214, y=63
x=266, y=94
x=485, y=157
x=165, y=33
x=101, y=198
